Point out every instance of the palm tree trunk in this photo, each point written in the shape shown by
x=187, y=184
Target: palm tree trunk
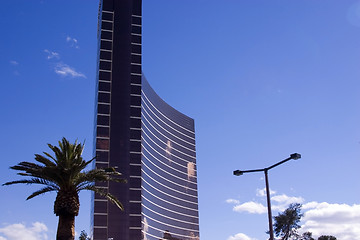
x=66, y=227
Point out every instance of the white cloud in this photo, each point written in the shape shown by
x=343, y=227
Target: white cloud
x=262, y=192
x=72, y=41
x=66, y=70
x=251, y=207
x=339, y=220
x=51, y=54
x=19, y=231
x=283, y=201
x=279, y=203
x=240, y=236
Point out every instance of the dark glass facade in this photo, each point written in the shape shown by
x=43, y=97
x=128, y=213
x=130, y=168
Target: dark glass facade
x=145, y=139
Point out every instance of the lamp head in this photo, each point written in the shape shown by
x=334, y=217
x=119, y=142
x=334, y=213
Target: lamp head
x=295, y=156
x=238, y=173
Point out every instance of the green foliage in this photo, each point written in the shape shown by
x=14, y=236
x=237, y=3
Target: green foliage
x=326, y=237
x=84, y=236
x=65, y=172
x=307, y=236
x=287, y=223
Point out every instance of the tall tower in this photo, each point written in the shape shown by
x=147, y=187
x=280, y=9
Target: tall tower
x=148, y=141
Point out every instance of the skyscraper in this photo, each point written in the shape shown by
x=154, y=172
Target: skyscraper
x=148, y=141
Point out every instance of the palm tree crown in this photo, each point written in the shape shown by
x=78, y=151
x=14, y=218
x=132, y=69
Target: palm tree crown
x=65, y=173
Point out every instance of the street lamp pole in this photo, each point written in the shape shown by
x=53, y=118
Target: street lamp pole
x=294, y=156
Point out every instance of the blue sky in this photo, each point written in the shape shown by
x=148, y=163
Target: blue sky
x=262, y=79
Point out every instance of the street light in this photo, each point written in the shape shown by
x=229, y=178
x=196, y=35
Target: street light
x=294, y=156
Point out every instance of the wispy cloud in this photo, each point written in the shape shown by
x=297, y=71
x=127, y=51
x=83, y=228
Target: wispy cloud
x=20, y=231
x=51, y=54
x=233, y=201
x=240, y=236
x=61, y=68
x=72, y=41
x=65, y=70
x=14, y=63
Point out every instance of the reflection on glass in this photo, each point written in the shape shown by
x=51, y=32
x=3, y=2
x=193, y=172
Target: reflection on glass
x=168, y=149
x=190, y=170
x=167, y=235
x=145, y=228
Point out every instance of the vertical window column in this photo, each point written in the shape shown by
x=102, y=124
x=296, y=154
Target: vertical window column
x=103, y=116
x=135, y=126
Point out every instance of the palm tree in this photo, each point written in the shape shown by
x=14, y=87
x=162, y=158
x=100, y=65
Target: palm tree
x=64, y=173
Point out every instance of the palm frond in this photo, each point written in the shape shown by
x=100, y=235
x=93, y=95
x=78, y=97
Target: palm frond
x=45, y=160
x=107, y=195
x=41, y=191
x=64, y=170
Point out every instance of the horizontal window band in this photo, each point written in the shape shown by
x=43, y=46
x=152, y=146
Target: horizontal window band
x=100, y=200
x=136, y=34
x=132, y=201
x=137, y=129
x=138, y=16
x=135, y=95
x=169, y=202
x=192, y=132
x=107, y=21
x=101, y=214
x=171, y=233
x=99, y=125
x=106, y=92
x=135, y=228
x=106, y=30
x=157, y=122
x=186, y=229
x=166, y=129
x=104, y=103
x=102, y=227
x=137, y=54
x=103, y=114
x=159, y=147
x=100, y=137
x=102, y=70
x=171, y=189
x=135, y=189
x=135, y=84
x=176, y=234
x=136, y=25
x=135, y=140
x=136, y=74
x=108, y=11
x=135, y=164
x=102, y=162
x=105, y=60
x=135, y=215
x=134, y=106
x=183, y=214
x=168, y=194
x=135, y=176
x=106, y=40
x=135, y=152
x=136, y=64
x=138, y=44
x=105, y=50
x=104, y=80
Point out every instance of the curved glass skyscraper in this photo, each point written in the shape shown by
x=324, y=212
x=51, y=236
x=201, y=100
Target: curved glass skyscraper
x=169, y=186
x=148, y=141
